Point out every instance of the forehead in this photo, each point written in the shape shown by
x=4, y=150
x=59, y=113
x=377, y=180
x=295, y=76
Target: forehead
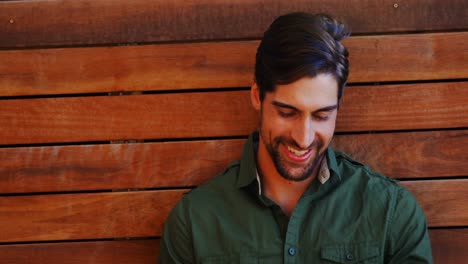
x=307, y=93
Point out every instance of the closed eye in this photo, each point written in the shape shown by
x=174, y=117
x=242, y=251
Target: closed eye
x=321, y=117
x=286, y=114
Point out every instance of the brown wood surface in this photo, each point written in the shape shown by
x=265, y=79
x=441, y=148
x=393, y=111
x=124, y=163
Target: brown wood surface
x=448, y=247
x=444, y=202
x=88, y=22
x=394, y=107
x=99, y=252
x=142, y=213
x=83, y=216
x=189, y=163
x=414, y=106
x=409, y=154
x=126, y=117
x=114, y=166
x=215, y=65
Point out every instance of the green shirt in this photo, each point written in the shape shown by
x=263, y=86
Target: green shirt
x=357, y=216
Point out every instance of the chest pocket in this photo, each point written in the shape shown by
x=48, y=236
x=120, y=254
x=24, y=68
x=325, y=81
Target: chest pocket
x=365, y=253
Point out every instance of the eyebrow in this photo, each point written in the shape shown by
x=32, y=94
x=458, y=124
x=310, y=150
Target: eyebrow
x=323, y=109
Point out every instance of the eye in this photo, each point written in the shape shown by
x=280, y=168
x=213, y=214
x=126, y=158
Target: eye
x=320, y=117
x=286, y=114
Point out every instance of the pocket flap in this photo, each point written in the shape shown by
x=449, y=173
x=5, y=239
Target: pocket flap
x=350, y=253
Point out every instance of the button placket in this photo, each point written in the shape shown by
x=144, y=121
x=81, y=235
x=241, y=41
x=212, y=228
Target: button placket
x=292, y=235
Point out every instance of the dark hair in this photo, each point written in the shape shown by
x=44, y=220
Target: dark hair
x=297, y=45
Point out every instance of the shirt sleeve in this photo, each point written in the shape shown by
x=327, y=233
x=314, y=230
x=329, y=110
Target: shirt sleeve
x=409, y=238
x=176, y=242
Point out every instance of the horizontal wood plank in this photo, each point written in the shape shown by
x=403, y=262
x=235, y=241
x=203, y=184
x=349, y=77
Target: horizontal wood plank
x=444, y=202
x=142, y=214
x=117, y=252
x=188, y=115
x=127, y=68
x=85, y=216
x=409, y=154
x=114, y=166
x=126, y=117
x=396, y=107
x=448, y=247
x=217, y=65
x=87, y=22
x=153, y=165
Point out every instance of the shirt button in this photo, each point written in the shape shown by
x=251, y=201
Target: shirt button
x=349, y=256
x=292, y=251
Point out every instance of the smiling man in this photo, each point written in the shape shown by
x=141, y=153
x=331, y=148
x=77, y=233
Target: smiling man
x=292, y=198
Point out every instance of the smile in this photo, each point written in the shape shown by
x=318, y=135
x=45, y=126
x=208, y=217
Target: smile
x=297, y=152
x=297, y=155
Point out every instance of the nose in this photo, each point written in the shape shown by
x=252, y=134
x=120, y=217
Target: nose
x=303, y=133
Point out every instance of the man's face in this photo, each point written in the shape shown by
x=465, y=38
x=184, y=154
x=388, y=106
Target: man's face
x=297, y=122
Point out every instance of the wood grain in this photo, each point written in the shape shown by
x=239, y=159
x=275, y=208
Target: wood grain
x=410, y=154
x=153, y=165
x=217, y=65
x=394, y=107
x=126, y=117
x=211, y=114
x=121, y=252
x=142, y=214
x=127, y=68
x=444, y=202
x=85, y=216
x=87, y=22
x=114, y=166
x=448, y=247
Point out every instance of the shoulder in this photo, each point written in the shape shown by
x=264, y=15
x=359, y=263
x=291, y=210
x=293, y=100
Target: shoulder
x=217, y=189
x=220, y=183
x=350, y=169
x=378, y=187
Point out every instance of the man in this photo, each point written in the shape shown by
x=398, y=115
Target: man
x=291, y=198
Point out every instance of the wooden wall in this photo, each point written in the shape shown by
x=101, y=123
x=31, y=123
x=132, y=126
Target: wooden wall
x=111, y=110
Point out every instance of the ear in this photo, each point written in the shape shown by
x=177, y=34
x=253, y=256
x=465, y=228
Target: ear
x=255, y=96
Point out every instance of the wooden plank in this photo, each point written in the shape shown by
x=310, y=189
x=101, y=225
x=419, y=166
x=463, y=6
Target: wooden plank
x=114, y=166
x=411, y=154
x=449, y=245
x=142, y=214
x=187, y=115
x=408, y=57
x=85, y=216
x=87, y=22
x=394, y=107
x=126, y=117
x=217, y=65
x=444, y=202
x=122, y=252
x=153, y=165
x=128, y=68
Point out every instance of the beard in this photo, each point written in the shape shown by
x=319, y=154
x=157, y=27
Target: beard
x=287, y=169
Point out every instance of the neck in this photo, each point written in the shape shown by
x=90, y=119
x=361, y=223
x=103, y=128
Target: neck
x=283, y=192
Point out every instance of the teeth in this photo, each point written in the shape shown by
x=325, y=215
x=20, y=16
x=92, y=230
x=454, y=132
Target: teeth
x=297, y=152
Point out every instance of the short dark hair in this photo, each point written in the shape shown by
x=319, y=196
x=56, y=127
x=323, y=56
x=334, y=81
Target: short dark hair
x=297, y=45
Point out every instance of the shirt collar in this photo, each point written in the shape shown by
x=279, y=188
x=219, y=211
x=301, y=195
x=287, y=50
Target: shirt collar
x=248, y=167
